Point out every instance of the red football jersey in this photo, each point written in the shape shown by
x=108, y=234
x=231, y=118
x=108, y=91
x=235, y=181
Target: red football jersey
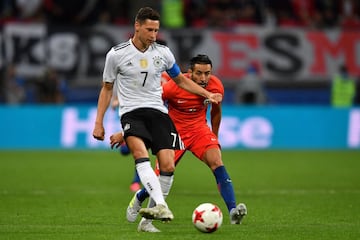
x=187, y=110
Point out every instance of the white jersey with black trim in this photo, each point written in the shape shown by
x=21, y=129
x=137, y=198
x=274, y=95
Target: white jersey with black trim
x=137, y=75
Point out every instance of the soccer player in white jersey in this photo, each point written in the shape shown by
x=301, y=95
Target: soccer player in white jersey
x=136, y=66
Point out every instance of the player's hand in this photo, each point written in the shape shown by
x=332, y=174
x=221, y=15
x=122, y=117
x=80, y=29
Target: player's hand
x=99, y=132
x=214, y=98
x=116, y=140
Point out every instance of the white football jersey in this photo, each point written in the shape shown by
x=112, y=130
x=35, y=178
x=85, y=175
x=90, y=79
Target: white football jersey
x=137, y=75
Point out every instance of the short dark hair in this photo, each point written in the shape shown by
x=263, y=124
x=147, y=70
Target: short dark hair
x=161, y=42
x=200, y=59
x=147, y=13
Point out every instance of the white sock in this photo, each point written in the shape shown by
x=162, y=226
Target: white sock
x=150, y=181
x=166, y=183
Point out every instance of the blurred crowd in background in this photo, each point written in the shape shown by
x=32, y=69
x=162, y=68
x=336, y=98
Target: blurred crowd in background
x=202, y=14
x=188, y=13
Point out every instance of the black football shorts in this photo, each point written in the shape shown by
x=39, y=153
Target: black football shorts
x=154, y=127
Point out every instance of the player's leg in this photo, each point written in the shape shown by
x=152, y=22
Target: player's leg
x=205, y=146
x=166, y=135
x=139, y=138
x=178, y=155
x=149, y=179
x=140, y=196
x=166, y=162
x=212, y=157
x=167, y=139
x=145, y=225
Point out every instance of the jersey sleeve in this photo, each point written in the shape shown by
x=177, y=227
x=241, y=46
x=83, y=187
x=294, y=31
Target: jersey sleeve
x=216, y=85
x=109, y=73
x=171, y=66
x=174, y=71
x=170, y=59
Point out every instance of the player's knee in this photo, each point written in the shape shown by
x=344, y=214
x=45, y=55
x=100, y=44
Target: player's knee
x=166, y=160
x=139, y=154
x=167, y=166
x=213, y=163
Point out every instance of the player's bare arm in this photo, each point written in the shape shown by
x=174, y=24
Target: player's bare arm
x=103, y=103
x=192, y=87
x=116, y=140
x=215, y=116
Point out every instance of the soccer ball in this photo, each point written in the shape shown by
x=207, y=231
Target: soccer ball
x=207, y=217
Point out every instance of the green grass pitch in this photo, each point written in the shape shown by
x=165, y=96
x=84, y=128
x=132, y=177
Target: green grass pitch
x=84, y=194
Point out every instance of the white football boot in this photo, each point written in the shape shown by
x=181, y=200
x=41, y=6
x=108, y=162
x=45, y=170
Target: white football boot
x=238, y=213
x=133, y=208
x=145, y=225
x=159, y=212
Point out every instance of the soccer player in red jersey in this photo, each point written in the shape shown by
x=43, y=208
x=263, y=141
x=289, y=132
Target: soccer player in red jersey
x=188, y=112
